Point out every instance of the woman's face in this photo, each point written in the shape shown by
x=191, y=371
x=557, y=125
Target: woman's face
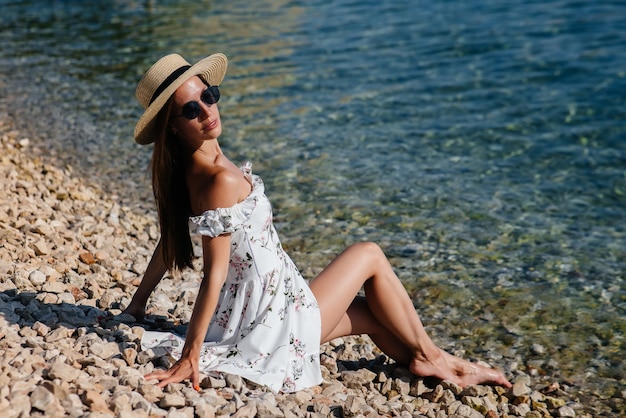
x=206, y=126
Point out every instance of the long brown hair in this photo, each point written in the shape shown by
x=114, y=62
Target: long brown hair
x=171, y=194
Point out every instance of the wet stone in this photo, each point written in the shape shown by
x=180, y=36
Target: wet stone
x=520, y=389
x=566, y=411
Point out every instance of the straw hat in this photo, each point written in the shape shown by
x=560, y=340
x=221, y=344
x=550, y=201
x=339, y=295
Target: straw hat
x=161, y=81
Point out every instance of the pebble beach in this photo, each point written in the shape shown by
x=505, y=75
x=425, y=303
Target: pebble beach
x=72, y=254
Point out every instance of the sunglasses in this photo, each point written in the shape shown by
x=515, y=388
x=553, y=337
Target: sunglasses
x=191, y=110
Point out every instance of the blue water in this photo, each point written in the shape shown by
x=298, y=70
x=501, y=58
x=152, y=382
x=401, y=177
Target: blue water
x=481, y=143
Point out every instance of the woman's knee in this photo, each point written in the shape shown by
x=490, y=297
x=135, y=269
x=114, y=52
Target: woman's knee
x=367, y=246
x=369, y=251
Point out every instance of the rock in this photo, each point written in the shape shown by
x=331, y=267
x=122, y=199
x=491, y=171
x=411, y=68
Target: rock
x=475, y=403
x=247, y=411
x=44, y=401
x=108, y=383
x=171, y=400
x=41, y=248
x=266, y=406
x=554, y=403
x=357, y=377
x=86, y=257
x=329, y=363
x=418, y=388
x=152, y=393
x=466, y=411
x=114, y=215
x=96, y=402
x=21, y=387
x=234, y=381
x=566, y=411
x=120, y=402
x=63, y=372
x=458, y=390
x=356, y=406
x=54, y=287
x=40, y=328
x=37, y=278
x=205, y=410
x=17, y=406
x=435, y=394
x=475, y=390
x=212, y=382
x=130, y=355
x=301, y=397
x=402, y=386
x=522, y=409
x=77, y=293
x=105, y=350
x=150, y=354
x=58, y=334
x=520, y=388
x=330, y=389
x=137, y=413
x=226, y=409
x=537, y=349
x=447, y=397
x=42, y=228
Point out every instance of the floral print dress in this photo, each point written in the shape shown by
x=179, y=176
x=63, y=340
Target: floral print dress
x=267, y=326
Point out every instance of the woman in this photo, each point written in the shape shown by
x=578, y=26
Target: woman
x=264, y=322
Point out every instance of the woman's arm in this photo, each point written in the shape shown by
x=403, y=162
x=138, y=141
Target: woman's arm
x=151, y=278
x=216, y=253
x=223, y=192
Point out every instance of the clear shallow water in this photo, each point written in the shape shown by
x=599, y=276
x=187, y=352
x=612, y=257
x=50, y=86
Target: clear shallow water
x=483, y=145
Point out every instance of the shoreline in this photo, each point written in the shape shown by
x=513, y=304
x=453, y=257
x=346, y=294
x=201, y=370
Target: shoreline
x=73, y=253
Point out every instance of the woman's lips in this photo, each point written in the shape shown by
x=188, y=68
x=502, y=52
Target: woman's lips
x=211, y=125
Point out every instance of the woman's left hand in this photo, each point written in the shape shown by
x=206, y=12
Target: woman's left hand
x=185, y=368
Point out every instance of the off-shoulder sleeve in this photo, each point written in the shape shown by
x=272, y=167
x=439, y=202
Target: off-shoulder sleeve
x=220, y=221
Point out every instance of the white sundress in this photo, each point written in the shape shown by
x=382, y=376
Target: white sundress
x=267, y=325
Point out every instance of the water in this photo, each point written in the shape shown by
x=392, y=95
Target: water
x=481, y=143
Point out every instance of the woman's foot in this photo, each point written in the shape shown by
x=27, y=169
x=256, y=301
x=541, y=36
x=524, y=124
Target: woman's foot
x=445, y=366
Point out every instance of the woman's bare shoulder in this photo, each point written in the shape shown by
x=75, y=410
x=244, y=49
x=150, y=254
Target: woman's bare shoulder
x=215, y=186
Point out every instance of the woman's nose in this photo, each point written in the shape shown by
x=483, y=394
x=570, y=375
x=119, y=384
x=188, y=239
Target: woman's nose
x=205, y=110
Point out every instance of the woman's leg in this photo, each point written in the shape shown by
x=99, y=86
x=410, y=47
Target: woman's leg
x=388, y=315
x=359, y=320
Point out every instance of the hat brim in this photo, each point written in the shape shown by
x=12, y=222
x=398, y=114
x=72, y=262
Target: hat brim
x=211, y=69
